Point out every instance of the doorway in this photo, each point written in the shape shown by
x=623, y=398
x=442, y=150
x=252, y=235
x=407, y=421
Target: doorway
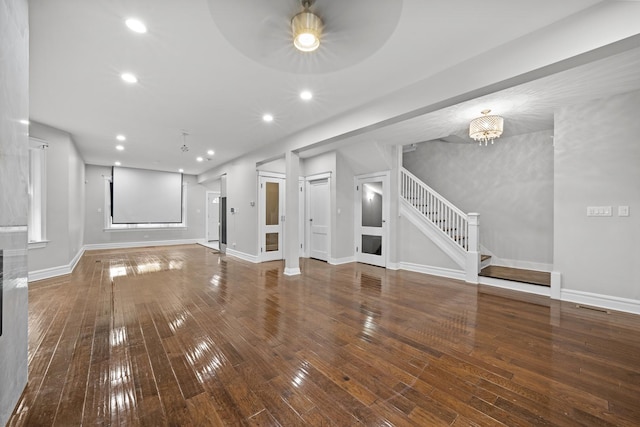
x=371, y=214
x=318, y=191
x=213, y=218
x=272, y=191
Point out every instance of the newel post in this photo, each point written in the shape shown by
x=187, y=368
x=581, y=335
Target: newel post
x=473, y=251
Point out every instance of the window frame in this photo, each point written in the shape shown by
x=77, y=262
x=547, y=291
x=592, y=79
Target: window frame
x=37, y=190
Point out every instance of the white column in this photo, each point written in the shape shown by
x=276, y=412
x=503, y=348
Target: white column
x=473, y=252
x=292, y=196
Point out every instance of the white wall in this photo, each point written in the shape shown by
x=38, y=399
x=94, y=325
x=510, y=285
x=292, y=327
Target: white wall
x=65, y=200
x=416, y=248
x=14, y=170
x=597, y=163
x=509, y=183
x=94, y=233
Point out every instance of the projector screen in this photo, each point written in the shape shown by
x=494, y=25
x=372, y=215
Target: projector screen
x=140, y=196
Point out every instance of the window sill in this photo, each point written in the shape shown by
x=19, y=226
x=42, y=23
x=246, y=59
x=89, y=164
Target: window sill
x=38, y=244
x=145, y=228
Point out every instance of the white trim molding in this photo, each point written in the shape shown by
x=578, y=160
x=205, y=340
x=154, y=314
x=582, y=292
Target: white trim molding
x=292, y=271
x=605, y=301
x=340, y=261
x=433, y=271
x=515, y=286
x=244, y=256
x=48, y=273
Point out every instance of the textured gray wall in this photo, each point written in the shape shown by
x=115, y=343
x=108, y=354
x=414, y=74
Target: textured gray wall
x=65, y=200
x=94, y=220
x=14, y=202
x=510, y=183
x=597, y=163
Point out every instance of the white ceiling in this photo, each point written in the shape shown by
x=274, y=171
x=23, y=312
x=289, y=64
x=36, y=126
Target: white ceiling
x=199, y=71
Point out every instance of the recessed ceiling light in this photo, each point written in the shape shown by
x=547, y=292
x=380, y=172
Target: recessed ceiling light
x=119, y=147
x=129, y=78
x=136, y=25
x=199, y=159
x=267, y=118
x=210, y=153
x=121, y=137
x=24, y=122
x=117, y=163
x=180, y=170
x=306, y=95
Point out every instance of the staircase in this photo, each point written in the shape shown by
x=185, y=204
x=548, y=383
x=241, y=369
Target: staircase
x=453, y=231
x=456, y=233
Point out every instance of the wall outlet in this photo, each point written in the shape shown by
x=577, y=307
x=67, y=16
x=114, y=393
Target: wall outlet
x=599, y=211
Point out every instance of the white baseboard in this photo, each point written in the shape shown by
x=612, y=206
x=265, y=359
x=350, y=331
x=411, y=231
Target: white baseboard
x=605, y=301
x=124, y=245
x=434, y=271
x=292, y=271
x=48, y=273
x=515, y=286
x=247, y=257
x=393, y=266
x=526, y=265
x=338, y=261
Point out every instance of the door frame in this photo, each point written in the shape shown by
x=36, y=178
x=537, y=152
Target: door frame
x=385, y=177
x=263, y=255
x=206, y=214
x=307, y=223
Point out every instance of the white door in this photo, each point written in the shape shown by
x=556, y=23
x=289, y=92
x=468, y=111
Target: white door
x=271, y=217
x=319, y=219
x=372, y=211
x=213, y=216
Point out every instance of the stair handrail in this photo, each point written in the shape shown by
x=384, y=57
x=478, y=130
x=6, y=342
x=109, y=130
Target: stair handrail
x=408, y=180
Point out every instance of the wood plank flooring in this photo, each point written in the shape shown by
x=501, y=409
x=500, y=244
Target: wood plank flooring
x=534, y=277
x=184, y=336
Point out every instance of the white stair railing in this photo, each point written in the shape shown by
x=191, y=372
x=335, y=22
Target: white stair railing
x=441, y=212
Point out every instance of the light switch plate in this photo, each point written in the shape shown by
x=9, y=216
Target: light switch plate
x=623, y=210
x=599, y=211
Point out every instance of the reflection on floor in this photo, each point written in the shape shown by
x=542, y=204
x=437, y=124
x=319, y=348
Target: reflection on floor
x=183, y=335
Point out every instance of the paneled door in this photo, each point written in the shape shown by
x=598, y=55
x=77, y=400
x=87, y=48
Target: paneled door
x=319, y=219
x=372, y=211
x=271, y=217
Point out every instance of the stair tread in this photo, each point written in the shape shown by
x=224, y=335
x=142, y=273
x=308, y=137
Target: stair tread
x=484, y=257
x=533, y=277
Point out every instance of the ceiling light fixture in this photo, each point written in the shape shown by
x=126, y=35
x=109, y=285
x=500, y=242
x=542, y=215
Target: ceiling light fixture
x=129, y=78
x=210, y=153
x=24, y=121
x=486, y=127
x=267, y=118
x=307, y=29
x=184, y=147
x=199, y=159
x=117, y=163
x=180, y=170
x=119, y=147
x=306, y=95
x=121, y=137
x=136, y=25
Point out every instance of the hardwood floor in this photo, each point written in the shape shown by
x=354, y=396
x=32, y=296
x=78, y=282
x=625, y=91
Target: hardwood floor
x=534, y=277
x=185, y=336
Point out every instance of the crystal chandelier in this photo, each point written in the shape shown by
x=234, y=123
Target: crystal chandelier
x=486, y=127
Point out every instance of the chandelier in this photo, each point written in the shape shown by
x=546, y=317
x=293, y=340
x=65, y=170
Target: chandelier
x=486, y=127
x=307, y=29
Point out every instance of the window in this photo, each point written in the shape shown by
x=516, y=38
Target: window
x=36, y=221
x=108, y=219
